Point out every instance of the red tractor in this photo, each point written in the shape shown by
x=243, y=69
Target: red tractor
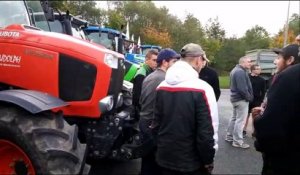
x=55, y=89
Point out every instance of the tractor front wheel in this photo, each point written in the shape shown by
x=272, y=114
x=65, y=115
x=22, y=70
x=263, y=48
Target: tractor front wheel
x=41, y=143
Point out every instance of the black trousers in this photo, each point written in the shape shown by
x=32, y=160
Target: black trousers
x=148, y=165
x=200, y=171
x=280, y=165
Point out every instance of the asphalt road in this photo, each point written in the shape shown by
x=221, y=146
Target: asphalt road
x=228, y=160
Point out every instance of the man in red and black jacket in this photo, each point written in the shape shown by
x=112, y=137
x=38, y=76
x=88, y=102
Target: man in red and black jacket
x=186, y=117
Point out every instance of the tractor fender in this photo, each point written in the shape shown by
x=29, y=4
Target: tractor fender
x=32, y=101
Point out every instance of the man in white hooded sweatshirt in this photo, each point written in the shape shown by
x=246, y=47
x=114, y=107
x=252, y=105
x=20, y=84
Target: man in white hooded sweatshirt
x=186, y=117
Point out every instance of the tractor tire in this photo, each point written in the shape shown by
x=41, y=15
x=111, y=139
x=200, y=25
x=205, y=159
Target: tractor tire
x=42, y=143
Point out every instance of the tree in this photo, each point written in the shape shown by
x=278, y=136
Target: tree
x=214, y=30
x=256, y=38
x=215, y=36
x=294, y=30
x=85, y=9
x=278, y=40
x=191, y=31
x=153, y=36
x=229, y=54
x=294, y=24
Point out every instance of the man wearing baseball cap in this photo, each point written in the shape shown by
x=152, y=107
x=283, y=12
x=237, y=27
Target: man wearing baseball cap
x=165, y=59
x=277, y=126
x=186, y=117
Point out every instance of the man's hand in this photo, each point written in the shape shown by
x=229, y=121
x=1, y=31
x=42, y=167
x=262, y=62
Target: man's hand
x=256, y=112
x=209, y=167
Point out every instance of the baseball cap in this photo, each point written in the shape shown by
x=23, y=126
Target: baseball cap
x=167, y=54
x=193, y=50
x=289, y=50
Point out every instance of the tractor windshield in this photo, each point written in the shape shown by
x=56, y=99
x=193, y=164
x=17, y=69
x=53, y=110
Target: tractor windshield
x=37, y=15
x=15, y=12
x=101, y=39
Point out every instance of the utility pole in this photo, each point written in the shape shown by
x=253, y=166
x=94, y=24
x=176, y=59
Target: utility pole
x=286, y=27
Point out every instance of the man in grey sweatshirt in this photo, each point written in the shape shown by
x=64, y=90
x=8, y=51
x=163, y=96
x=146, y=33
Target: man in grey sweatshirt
x=165, y=59
x=241, y=95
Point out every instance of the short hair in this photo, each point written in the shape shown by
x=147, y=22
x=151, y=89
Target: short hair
x=253, y=67
x=150, y=53
x=242, y=59
x=190, y=59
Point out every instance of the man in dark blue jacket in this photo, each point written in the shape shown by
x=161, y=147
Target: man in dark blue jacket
x=277, y=126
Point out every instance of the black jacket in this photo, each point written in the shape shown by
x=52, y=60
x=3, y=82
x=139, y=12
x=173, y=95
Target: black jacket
x=259, y=88
x=277, y=130
x=211, y=77
x=186, y=114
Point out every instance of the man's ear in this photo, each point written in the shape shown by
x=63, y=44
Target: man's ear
x=290, y=61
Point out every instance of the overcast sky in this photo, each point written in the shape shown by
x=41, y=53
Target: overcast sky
x=236, y=16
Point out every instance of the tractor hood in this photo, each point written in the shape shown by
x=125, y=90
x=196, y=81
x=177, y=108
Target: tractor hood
x=32, y=35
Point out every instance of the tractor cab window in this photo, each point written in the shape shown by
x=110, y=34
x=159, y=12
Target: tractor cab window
x=78, y=32
x=102, y=40
x=13, y=12
x=37, y=15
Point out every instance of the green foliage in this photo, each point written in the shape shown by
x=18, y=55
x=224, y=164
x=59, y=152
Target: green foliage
x=214, y=29
x=294, y=24
x=228, y=55
x=224, y=82
x=256, y=38
x=86, y=9
x=115, y=20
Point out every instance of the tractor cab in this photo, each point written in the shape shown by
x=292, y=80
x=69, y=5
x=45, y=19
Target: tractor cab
x=30, y=13
x=68, y=24
x=109, y=38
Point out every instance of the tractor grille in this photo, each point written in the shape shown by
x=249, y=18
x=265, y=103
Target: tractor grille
x=116, y=81
x=79, y=87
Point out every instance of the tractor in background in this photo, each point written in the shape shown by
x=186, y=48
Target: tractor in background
x=116, y=41
x=138, y=56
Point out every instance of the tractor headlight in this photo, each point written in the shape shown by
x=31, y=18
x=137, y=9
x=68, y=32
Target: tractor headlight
x=111, y=61
x=106, y=104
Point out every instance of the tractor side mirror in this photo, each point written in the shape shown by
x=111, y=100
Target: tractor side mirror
x=49, y=12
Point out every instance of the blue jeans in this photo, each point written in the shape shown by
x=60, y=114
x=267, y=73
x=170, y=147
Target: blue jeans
x=237, y=121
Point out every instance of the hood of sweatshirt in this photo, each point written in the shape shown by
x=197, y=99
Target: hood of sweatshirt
x=181, y=71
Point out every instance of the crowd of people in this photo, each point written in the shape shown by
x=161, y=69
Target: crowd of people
x=175, y=100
